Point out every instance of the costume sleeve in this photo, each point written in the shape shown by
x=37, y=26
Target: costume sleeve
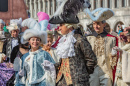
x=4, y=47
x=89, y=55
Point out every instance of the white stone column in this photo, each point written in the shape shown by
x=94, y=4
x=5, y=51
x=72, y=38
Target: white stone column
x=44, y=5
x=99, y=3
x=53, y=1
x=106, y=3
x=127, y=3
x=120, y=3
x=35, y=9
x=113, y=4
x=49, y=7
x=31, y=9
x=39, y=5
x=92, y=4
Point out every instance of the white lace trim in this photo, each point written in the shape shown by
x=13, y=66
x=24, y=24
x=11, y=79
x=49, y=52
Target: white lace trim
x=65, y=47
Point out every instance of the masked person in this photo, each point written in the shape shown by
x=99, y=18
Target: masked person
x=77, y=59
x=102, y=44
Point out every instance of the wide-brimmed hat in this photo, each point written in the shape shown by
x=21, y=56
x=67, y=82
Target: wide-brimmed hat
x=99, y=14
x=34, y=30
x=29, y=33
x=12, y=27
x=68, y=10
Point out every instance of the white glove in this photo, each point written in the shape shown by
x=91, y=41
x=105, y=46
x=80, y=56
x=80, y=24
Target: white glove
x=117, y=48
x=113, y=52
x=48, y=66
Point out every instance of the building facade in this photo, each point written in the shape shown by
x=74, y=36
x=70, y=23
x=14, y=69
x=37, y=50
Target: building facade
x=12, y=9
x=120, y=7
x=35, y=6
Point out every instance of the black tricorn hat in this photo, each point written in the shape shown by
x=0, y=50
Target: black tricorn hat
x=68, y=10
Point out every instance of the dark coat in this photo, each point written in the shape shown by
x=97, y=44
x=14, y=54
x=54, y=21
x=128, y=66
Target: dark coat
x=7, y=48
x=82, y=64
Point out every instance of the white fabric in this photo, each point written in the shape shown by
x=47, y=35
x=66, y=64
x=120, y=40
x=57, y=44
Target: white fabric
x=14, y=43
x=1, y=57
x=2, y=22
x=2, y=34
x=48, y=66
x=65, y=46
x=17, y=63
x=113, y=52
x=54, y=55
x=126, y=66
x=16, y=21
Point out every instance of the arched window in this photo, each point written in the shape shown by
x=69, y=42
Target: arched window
x=3, y=5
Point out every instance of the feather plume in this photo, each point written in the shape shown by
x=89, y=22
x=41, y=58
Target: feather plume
x=31, y=23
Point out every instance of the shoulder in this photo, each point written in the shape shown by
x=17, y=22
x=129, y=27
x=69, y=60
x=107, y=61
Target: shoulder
x=80, y=38
x=24, y=56
x=109, y=35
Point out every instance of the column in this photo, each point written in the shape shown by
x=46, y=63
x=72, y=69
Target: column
x=49, y=7
x=106, y=3
x=113, y=4
x=99, y=3
x=127, y=3
x=53, y=6
x=120, y=3
x=31, y=9
x=92, y=4
x=44, y=5
x=35, y=8
x=39, y=5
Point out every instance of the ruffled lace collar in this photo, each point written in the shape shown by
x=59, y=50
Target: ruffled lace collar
x=65, y=47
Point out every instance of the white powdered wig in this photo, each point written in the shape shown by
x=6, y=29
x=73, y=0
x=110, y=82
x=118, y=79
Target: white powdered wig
x=71, y=25
x=34, y=33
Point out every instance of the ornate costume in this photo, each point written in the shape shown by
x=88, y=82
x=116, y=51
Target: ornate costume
x=73, y=49
x=37, y=67
x=122, y=74
x=102, y=44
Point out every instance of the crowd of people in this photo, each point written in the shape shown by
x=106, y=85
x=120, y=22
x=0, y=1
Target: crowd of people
x=66, y=55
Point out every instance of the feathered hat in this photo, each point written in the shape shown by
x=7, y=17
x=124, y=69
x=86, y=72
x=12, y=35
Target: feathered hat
x=12, y=27
x=43, y=19
x=100, y=14
x=67, y=11
x=35, y=30
x=16, y=21
x=2, y=22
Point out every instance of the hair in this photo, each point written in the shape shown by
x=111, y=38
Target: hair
x=71, y=25
x=49, y=34
x=104, y=21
